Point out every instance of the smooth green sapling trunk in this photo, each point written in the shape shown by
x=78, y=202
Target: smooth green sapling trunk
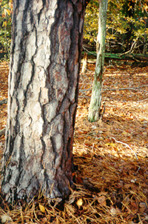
x=95, y=102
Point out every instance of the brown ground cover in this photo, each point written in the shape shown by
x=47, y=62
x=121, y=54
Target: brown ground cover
x=111, y=155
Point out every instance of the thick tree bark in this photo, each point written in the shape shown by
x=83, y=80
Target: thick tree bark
x=42, y=101
x=95, y=103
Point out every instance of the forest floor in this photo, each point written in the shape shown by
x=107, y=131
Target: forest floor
x=111, y=155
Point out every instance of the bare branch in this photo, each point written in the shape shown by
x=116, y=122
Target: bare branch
x=125, y=144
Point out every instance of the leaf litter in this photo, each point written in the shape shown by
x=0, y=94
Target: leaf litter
x=110, y=156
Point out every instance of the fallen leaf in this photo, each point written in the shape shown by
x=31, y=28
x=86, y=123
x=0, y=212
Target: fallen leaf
x=5, y=218
x=114, y=211
x=42, y=208
x=102, y=193
x=79, y=202
x=102, y=200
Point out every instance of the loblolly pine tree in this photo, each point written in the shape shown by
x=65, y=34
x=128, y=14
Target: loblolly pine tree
x=42, y=99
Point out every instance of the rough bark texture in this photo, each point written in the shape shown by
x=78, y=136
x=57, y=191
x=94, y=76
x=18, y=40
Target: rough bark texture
x=95, y=103
x=43, y=89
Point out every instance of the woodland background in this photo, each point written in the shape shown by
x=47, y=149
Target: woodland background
x=111, y=155
x=127, y=26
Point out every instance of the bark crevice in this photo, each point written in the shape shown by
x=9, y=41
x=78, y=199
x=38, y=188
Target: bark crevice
x=43, y=78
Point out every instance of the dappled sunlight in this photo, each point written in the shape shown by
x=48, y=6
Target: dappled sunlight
x=141, y=74
x=125, y=118
x=110, y=155
x=3, y=80
x=130, y=110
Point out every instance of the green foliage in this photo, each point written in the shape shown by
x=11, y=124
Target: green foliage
x=91, y=21
x=126, y=24
x=5, y=25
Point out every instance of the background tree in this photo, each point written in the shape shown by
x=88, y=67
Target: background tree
x=122, y=17
x=95, y=102
x=5, y=25
x=42, y=98
x=91, y=23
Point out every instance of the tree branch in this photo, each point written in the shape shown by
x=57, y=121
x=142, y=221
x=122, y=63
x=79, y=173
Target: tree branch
x=125, y=144
x=104, y=90
x=130, y=88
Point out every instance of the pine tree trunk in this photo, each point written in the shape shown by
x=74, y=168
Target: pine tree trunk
x=42, y=101
x=95, y=103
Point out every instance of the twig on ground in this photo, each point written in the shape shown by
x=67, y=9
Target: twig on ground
x=128, y=88
x=3, y=101
x=142, y=100
x=126, y=146
x=83, y=90
x=134, y=89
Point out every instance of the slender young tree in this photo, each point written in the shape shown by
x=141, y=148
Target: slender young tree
x=95, y=103
x=42, y=98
